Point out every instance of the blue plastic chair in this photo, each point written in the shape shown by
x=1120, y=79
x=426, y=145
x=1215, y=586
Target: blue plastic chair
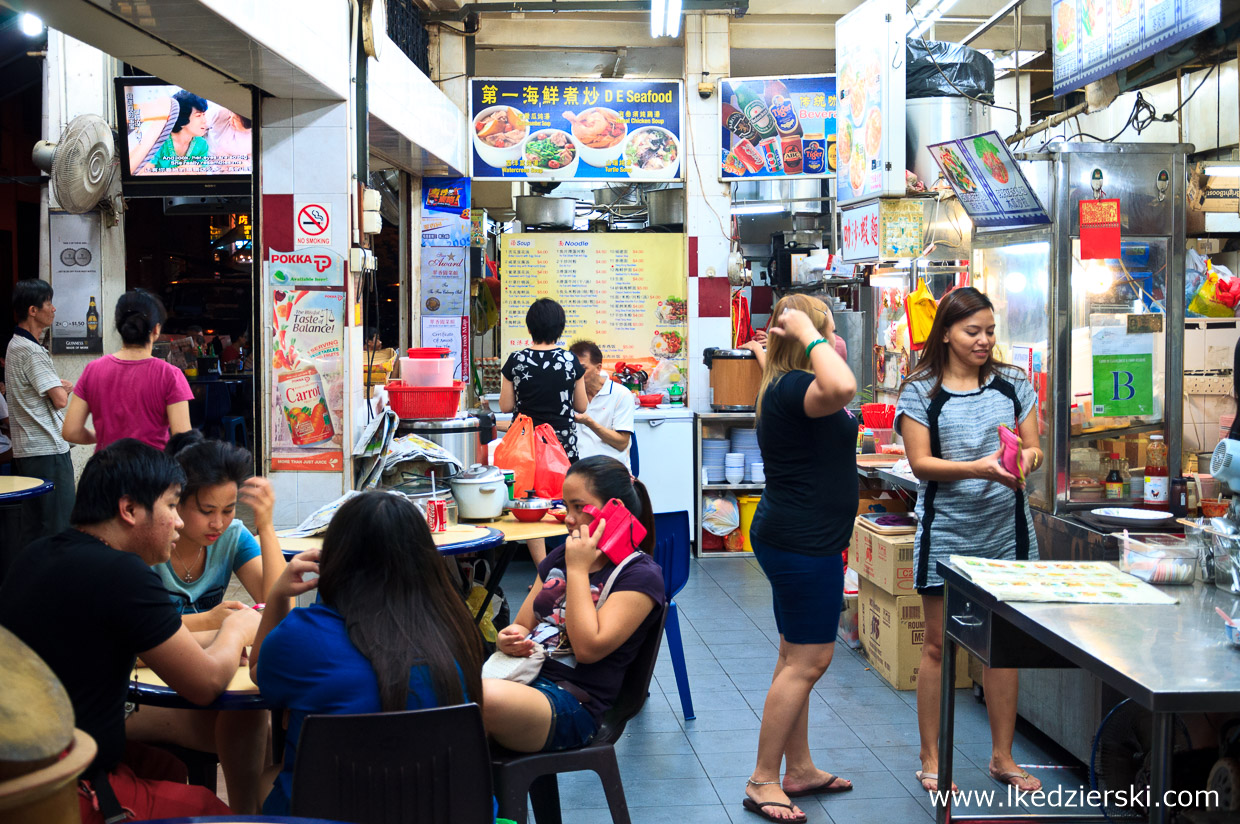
x=217, y=404
x=671, y=551
x=234, y=430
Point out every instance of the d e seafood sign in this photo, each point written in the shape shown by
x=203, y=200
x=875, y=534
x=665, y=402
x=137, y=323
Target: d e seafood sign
x=547, y=130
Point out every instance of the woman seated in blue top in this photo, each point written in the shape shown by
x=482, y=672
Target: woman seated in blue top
x=388, y=633
x=213, y=545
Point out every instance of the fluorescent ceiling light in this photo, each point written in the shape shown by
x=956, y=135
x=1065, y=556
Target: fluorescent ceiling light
x=31, y=26
x=1222, y=171
x=672, y=29
x=665, y=18
x=757, y=208
x=658, y=14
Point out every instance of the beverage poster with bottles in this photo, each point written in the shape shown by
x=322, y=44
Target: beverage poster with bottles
x=78, y=282
x=777, y=127
x=307, y=398
x=869, y=112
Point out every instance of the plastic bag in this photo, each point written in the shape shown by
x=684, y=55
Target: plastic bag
x=937, y=69
x=920, y=308
x=550, y=463
x=1212, y=298
x=516, y=452
x=665, y=374
x=1194, y=276
x=721, y=514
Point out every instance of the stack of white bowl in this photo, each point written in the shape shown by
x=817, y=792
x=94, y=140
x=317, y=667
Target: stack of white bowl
x=757, y=473
x=734, y=467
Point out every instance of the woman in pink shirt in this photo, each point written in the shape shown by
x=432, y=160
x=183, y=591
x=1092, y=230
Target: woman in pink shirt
x=130, y=394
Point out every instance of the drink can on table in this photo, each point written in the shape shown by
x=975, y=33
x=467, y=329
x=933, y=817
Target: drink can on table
x=437, y=515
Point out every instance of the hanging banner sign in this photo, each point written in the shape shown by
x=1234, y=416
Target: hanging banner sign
x=860, y=233
x=1096, y=38
x=777, y=127
x=1100, y=229
x=78, y=281
x=989, y=183
x=1123, y=376
x=579, y=129
x=882, y=230
x=445, y=211
x=443, y=280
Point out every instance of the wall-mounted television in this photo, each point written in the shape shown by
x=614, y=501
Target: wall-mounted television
x=176, y=142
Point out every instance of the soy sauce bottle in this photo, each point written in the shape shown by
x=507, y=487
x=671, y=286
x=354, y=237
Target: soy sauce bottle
x=1114, y=481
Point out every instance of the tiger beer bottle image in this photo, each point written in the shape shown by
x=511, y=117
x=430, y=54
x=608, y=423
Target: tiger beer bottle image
x=754, y=108
x=782, y=110
x=92, y=320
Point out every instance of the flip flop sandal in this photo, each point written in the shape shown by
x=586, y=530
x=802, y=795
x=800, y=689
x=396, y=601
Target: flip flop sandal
x=760, y=809
x=1010, y=778
x=821, y=789
x=923, y=777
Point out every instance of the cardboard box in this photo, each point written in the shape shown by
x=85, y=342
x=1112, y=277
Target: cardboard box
x=885, y=560
x=892, y=629
x=1210, y=193
x=849, y=631
x=872, y=501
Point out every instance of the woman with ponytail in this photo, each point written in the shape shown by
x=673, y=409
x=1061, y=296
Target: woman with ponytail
x=589, y=648
x=130, y=394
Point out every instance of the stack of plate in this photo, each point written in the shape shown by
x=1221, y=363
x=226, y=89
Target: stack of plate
x=745, y=441
x=713, y=452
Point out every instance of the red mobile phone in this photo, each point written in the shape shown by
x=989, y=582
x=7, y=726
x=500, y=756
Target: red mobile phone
x=624, y=532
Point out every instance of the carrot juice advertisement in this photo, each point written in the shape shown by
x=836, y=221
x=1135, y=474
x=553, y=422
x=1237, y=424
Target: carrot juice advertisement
x=307, y=398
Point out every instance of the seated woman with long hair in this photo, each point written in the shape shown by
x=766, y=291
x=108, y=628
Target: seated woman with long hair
x=388, y=632
x=589, y=648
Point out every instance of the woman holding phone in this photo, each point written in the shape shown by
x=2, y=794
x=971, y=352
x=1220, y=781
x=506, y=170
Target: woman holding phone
x=949, y=413
x=799, y=533
x=589, y=648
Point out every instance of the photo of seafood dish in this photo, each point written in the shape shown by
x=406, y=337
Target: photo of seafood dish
x=550, y=153
x=873, y=133
x=652, y=152
x=599, y=134
x=1065, y=26
x=499, y=132
x=672, y=310
x=954, y=168
x=856, y=98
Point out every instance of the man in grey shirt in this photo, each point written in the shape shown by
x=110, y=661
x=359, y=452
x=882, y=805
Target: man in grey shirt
x=36, y=397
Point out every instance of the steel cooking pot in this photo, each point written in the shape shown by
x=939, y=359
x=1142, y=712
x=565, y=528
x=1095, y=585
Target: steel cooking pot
x=460, y=436
x=530, y=508
x=480, y=492
x=546, y=212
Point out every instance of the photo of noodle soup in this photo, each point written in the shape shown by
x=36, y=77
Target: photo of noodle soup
x=652, y=152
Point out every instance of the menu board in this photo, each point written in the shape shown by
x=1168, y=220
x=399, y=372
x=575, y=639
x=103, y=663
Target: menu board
x=1063, y=582
x=777, y=127
x=625, y=292
x=991, y=187
x=575, y=129
x=869, y=44
x=1096, y=38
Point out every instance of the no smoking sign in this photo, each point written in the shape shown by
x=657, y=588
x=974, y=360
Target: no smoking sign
x=312, y=224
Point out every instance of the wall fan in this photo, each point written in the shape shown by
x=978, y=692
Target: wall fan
x=82, y=166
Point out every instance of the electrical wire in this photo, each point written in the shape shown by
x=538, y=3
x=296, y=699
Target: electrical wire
x=1144, y=115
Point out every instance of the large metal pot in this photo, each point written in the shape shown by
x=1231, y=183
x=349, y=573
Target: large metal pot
x=667, y=207
x=480, y=492
x=460, y=436
x=935, y=120
x=536, y=211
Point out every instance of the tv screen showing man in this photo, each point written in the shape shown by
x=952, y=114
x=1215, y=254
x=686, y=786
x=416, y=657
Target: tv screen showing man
x=172, y=131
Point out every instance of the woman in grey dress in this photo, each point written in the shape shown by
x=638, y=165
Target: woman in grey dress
x=948, y=413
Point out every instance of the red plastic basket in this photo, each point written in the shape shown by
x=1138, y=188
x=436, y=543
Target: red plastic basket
x=422, y=402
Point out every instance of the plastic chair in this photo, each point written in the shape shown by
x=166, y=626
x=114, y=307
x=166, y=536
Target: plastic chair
x=217, y=403
x=533, y=775
x=233, y=425
x=671, y=550
x=421, y=766
x=634, y=465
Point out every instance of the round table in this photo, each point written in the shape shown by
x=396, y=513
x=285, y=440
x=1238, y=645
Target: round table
x=244, y=819
x=14, y=491
x=149, y=690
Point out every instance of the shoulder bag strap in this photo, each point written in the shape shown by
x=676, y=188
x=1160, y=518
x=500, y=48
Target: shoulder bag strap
x=611, y=579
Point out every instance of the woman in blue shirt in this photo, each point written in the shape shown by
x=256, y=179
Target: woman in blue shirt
x=213, y=545
x=388, y=633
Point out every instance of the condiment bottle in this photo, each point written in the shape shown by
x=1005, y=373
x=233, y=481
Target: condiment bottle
x=1157, y=484
x=867, y=442
x=1179, y=497
x=1114, y=481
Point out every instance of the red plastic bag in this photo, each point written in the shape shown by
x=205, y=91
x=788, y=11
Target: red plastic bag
x=516, y=452
x=550, y=463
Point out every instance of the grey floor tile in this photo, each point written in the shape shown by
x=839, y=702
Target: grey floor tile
x=595, y=815
x=872, y=784
x=733, y=651
x=692, y=652
x=705, y=814
x=832, y=736
x=662, y=766
x=705, y=683
x=641, y=744
x=846, y=760
x=728, y=764
x=718, y=637
x=877, y=810
x=887, y=735
x=724, y=720
x=650, y=721
x=712, y=741
x=887, y=714
x=760, y=661
x=708, y=700
x=670, y=792
x=581, y=789
x=752, y=681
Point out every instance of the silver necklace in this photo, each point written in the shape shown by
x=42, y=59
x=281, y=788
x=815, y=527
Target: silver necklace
x=187, y=576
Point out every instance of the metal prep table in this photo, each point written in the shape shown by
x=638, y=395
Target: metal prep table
x=1169, y=659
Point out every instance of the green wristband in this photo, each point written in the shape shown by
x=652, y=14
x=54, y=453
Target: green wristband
x=812, y=344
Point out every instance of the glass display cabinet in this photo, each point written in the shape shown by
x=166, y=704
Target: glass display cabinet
x=1101, y=339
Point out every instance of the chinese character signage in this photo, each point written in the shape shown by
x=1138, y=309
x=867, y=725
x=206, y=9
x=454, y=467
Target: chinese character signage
x=777, y=127
x=859, y=233
x=626, y=292
x=1096, y=38
x=869, y=111
x=882, y=230
x=443, y=281
x=576, y=129
x=445, y=211
x=991, y=187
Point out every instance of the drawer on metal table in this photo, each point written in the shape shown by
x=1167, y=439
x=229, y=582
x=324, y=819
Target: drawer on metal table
x=968, y=622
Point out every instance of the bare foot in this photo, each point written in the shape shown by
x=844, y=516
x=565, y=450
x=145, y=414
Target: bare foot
x=761, y=793
x=815, y=779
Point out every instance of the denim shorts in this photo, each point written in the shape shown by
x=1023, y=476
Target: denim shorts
x=807, y=592
x=572, y=725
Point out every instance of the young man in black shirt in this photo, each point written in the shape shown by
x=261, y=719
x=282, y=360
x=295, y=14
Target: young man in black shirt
x=88, y=602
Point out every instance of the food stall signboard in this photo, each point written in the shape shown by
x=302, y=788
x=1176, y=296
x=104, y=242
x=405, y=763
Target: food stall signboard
x=78, y=282
x=869, y=112
x=859, y=233
x=1096, y=38
x=1123, y=372
x=777, y=127
x=887, y=229
x=576, y=129
x=625, y=292
x=988, y=181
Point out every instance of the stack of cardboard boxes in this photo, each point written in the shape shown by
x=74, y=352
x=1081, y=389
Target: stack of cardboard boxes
x=890, y=619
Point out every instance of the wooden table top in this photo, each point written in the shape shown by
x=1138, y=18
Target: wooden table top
x=241, y=684
x=18, y=483
x=513, y=530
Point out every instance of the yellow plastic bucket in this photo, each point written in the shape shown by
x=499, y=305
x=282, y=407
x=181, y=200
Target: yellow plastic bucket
x=748, y=504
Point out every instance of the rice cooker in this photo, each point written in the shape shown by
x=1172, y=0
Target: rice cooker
x=480, y=492
x=734, y=379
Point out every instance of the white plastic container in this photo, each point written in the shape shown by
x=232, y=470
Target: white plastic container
x=427, y=371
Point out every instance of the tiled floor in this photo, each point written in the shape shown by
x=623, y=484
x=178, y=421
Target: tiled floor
x=692, y=772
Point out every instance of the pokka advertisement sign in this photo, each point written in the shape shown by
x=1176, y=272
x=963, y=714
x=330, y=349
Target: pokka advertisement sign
x=777, y=127
x=307, y=399
x=546, y=130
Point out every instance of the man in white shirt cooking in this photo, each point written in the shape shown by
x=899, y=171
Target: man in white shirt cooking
x=606, y=427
